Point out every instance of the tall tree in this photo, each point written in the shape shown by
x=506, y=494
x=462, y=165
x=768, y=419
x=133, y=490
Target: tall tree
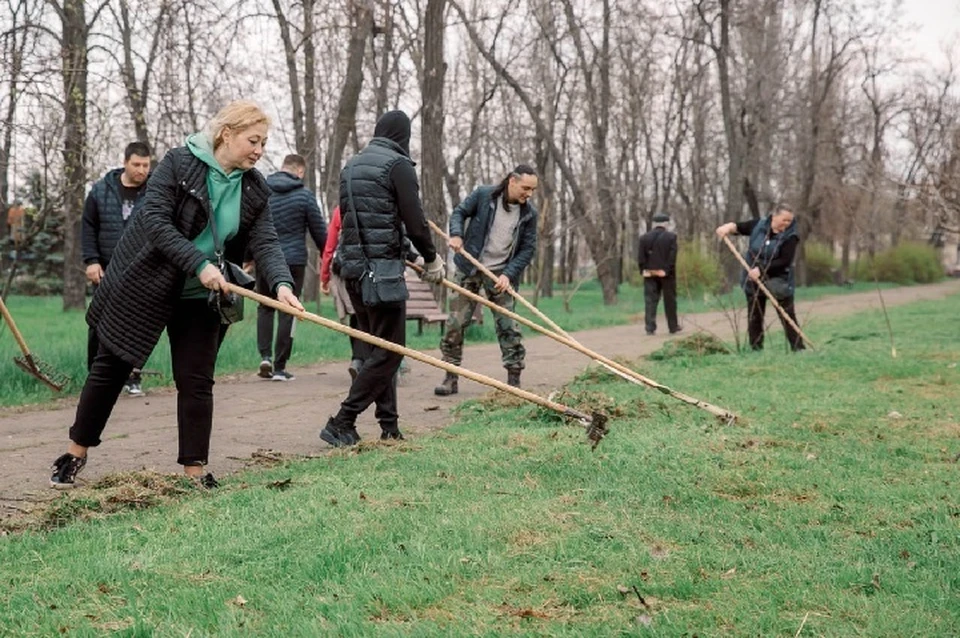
x=74, y=32
x=431, y=130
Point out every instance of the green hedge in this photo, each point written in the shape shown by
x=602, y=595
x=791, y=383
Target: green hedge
x=820, y=264
x=697, y=271
x=909, y=262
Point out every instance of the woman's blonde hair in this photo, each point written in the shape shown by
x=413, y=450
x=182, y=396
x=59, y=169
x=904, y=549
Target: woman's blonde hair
x=236, y=116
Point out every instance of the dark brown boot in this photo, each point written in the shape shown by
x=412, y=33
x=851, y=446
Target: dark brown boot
x=448, y=387
x=513, y=377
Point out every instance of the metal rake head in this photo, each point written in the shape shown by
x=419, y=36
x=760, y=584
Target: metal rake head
x=43, y=371
x=597, y=428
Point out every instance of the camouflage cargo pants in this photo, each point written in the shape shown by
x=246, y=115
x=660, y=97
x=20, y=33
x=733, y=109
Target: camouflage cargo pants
x=460, y=317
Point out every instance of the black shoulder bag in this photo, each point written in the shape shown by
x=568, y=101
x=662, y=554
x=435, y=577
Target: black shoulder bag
x=382, y=281
x=228, y=305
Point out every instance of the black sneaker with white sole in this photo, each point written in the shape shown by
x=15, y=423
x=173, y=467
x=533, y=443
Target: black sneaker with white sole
x=282, y=375
x=65, y=470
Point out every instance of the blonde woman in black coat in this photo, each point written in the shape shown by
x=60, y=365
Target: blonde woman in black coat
x=161, y=276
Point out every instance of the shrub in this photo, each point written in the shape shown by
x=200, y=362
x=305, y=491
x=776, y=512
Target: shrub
x=697, y=271
x=909, y=262
x=820, y=264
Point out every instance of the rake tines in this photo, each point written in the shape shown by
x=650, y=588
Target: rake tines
x=43, y=371
x=30, y=364
x=597, y=428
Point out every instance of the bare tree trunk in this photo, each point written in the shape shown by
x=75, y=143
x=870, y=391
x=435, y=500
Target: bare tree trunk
x=731, y=124
x=597, y=78
x=74, y=74
x=311, y=283
x=434, y=69
x=293, y=73
x=347, y=105
x=309, y=148
x=14, y=42
x=138, y=92
x=386, y=50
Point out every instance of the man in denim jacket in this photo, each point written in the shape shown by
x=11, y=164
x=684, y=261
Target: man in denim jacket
x=498, y=226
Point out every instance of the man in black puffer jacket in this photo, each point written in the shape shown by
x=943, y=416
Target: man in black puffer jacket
x=107, y=211
x=379, y=203
x=295, y=211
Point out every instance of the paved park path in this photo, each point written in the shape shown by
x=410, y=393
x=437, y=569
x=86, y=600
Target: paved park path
x=253, y=414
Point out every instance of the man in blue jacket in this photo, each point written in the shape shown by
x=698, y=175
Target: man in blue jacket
x=498, y=226
x=107, y=211
x=295, y=211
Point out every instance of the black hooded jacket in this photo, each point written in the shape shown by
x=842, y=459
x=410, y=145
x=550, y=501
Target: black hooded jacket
x=386, y=197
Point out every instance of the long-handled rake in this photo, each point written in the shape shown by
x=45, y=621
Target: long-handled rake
x=595, y=423
x=773, y=300
x=31, y=364
x=560, y=335
x=610, y=364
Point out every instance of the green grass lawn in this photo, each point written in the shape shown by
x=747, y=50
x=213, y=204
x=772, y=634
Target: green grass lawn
x=831, y=509
x=60, y=338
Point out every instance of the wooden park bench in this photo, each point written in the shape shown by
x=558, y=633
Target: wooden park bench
x=421, y=306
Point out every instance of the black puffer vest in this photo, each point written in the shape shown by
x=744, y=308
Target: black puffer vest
x=380, y=234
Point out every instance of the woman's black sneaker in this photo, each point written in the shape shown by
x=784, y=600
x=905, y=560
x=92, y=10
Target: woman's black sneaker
x=338, y=435
x=65, y=470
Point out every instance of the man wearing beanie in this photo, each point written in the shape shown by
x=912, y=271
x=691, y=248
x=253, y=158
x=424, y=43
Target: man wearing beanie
x=658, y=264
x=379, y=204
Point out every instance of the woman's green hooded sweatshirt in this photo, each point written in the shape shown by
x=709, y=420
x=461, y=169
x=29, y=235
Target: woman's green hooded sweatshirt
x=225, y=193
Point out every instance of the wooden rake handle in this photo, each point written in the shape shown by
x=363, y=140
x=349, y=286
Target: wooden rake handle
x=409, y=352
x=773, y=300
x=13, y=328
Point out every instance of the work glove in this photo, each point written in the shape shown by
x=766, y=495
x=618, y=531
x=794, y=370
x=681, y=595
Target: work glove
x=434, y=271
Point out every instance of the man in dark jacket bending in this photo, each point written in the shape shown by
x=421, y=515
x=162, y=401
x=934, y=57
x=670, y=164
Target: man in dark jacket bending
x=107, y=211
x=498, y=226
x=379, y=203
x=658, y=265
x=295, y=211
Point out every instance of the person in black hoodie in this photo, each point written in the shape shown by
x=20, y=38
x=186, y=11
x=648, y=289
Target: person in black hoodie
x=108, y=209
x=295, y=211
x=658, y=264
x=379, y=204
x=773, y=245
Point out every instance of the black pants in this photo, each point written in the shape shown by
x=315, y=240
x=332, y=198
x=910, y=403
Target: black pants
x=285, y=324
x=376, y=380
x=756, y=306
x=195, y=336
x=93, y=347
x=652, y=289
x=358, y=349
